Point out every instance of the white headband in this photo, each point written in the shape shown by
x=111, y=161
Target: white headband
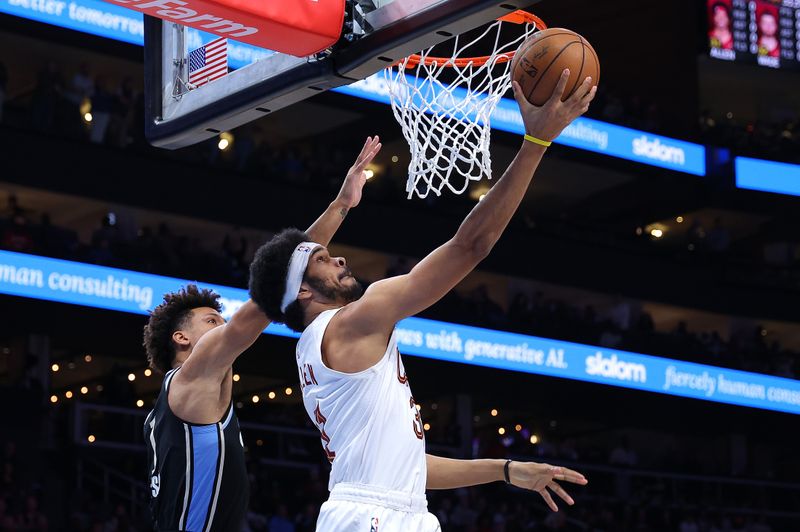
x=297, y=269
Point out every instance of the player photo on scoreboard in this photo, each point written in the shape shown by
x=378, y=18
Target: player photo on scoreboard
x=720, y=29
x=720, y=20
x=767, y=28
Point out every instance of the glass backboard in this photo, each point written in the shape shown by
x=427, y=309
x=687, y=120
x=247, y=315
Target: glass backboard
x=375, y=34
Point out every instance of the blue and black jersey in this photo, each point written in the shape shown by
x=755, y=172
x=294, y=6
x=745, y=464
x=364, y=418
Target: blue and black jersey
x=198, y=480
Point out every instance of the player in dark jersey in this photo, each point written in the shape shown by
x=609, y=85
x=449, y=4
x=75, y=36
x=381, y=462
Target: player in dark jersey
x=197, y=476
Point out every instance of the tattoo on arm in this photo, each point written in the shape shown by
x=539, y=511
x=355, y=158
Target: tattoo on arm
x=343, y=212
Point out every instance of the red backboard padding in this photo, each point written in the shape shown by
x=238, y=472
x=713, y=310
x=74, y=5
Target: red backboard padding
x=296, y=27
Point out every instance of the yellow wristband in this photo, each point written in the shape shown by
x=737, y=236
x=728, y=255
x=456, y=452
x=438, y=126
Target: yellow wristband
x=540, y=142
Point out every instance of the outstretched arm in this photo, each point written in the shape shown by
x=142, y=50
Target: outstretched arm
x=349, y=196
x=447, y=473
x=388, y=301
x=217, y=349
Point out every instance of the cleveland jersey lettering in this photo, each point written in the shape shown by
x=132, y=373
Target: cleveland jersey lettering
x=363, y=417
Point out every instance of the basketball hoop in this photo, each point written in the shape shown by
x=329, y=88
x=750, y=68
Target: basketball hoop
x=446, y=119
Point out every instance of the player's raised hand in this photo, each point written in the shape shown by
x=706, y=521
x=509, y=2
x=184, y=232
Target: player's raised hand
x=542, y=477
x=548, y=121
x=350, y=194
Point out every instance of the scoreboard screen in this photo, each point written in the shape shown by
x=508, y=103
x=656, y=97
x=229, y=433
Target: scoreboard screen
x=764, y=32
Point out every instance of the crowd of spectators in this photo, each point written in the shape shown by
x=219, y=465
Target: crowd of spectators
x=775, y=135
x=280, y=504
x=630, y=110
x=626, y=326
x=20, y=497
x=627, y=497
x=60, y=100
x=288, y=505
x=81, y=105
x=284, y=500
x=90, y=514
x=776, y=139
x=289, y=500
x=150, y=249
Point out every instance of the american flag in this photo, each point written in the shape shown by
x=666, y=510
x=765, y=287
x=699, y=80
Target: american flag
x=208, y=62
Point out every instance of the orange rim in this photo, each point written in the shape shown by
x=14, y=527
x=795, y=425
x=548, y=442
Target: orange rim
x=516, y=17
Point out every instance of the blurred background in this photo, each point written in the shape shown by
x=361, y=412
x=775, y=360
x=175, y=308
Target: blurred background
x=608, y=252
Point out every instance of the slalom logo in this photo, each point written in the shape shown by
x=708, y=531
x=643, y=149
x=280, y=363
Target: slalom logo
x=653, y=149
x=616, y=369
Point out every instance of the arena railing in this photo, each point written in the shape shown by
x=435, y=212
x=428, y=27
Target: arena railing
x=298, y=448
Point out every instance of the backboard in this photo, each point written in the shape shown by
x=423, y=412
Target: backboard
x=376, y=34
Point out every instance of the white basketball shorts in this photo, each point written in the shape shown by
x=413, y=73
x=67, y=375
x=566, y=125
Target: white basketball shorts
x=358, y=508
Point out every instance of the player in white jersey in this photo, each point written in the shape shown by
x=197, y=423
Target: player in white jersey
x=354, y=386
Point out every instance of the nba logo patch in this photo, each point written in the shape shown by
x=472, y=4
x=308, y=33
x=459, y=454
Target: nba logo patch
x=529, y=68
x=373, y=525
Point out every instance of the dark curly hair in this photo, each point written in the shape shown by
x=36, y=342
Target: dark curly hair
x=170, y=316
x=268, y=278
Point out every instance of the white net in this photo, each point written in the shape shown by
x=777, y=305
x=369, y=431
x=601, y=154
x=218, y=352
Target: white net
x=446, y=118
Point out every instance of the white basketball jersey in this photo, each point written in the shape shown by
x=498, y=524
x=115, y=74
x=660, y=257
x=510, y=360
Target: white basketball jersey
x=370, y=427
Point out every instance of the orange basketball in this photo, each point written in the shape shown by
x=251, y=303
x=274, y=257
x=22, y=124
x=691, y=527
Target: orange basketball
x=542, y=58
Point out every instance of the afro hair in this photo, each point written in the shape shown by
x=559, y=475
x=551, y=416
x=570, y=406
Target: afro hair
x=268, y=277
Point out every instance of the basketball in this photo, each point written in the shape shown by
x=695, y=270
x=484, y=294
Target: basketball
x=542, y=58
